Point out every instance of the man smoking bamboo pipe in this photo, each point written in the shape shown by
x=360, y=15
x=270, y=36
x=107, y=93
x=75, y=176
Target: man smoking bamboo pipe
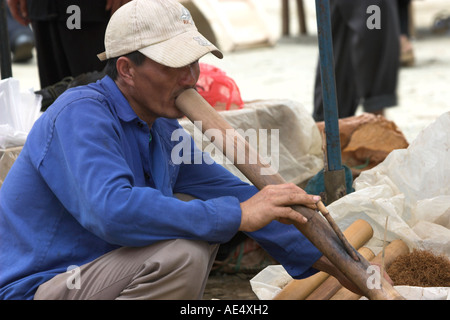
x=88, y=210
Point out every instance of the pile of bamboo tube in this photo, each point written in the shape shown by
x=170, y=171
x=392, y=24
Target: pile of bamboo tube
x=322, y=286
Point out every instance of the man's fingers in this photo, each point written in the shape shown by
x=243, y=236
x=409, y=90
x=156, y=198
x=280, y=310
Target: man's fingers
x=289, y=215
x=289, y=194
x=275, y=202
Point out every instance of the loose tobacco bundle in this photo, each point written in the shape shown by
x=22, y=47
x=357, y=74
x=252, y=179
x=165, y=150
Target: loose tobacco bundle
x=420, y=268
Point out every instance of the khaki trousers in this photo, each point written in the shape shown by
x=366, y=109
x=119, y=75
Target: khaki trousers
x=172, y=269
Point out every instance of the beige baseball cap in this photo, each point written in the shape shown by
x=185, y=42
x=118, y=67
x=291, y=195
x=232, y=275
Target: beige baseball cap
x=163, y=30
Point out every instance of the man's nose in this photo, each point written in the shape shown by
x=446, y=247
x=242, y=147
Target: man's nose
x=189, y=75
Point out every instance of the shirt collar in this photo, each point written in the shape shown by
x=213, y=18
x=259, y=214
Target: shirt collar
x=120, y=103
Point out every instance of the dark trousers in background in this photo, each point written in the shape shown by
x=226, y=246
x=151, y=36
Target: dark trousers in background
x=62, y=52
x=366, y=60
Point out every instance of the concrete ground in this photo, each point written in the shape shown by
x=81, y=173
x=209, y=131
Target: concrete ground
x=287, y=71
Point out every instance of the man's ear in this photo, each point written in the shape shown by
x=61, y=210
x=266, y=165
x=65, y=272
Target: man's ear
x=125, y=69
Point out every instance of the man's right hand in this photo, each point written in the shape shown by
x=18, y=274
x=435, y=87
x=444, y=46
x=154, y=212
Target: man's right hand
x=274, y=203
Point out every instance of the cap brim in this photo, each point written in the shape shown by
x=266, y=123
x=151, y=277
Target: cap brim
x=181, y=50
x=102, y=56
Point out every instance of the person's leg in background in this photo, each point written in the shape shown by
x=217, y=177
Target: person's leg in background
x=366, y=59
x=407, y=58
x=377, y=59
x=60, y=60
x=67, y=54
x=344, y=70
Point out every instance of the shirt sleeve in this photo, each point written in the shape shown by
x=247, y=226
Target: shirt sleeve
x=285, y=243
x=83, y=163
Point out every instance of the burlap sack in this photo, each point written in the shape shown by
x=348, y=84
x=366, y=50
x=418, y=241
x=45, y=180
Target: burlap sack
x=366, y=140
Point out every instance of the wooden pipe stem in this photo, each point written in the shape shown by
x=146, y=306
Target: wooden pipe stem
x=392, y=251
x=358, y=233
x=262, y=174
x=331, y=285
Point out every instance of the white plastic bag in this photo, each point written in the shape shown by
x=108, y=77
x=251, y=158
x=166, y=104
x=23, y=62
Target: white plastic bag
x=269, y=282
x=422, y=293
x=419, y=293
x=18, y=111
x=411, y=187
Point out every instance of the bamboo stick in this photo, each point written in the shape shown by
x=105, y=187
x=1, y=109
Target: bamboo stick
x=393, y=250
x=358, y=233
x=330, y=286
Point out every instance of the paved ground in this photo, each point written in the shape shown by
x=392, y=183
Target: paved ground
x=229, y=287
x=287, y=70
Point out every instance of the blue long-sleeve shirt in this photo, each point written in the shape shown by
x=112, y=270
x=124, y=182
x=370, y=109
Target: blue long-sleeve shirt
x=90, y=179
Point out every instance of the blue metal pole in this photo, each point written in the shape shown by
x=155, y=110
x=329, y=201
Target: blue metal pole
x=328, y=85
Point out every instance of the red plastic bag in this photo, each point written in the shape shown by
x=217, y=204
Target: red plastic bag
x=218, y=89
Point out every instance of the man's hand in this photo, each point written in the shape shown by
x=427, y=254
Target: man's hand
x=19, y=11
x=273, y=203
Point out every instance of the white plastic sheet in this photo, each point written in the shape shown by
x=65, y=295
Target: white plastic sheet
x=18, y=111
x=411, y=187
x=419, y=293
x=269, y=282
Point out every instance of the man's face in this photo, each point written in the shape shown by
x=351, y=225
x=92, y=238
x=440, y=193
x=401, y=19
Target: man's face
x=155, y=88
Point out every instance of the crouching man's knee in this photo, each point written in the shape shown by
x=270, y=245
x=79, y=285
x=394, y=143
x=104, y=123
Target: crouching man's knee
x=178, y=270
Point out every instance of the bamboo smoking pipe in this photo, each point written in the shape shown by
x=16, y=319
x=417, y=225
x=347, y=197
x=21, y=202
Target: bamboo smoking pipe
x=262, y=174
x=358, y=233
x=395, y=249
x=331, y=285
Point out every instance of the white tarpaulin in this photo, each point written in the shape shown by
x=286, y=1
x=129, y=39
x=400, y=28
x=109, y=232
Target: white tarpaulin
x=18, y=112
x=411, y=187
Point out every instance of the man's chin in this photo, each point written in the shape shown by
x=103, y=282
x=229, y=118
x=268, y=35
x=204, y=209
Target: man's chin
x=175, y=115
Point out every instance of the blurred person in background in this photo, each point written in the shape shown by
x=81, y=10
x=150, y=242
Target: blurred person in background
x=366, y=58
x=68, y=35
x=21, y=39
